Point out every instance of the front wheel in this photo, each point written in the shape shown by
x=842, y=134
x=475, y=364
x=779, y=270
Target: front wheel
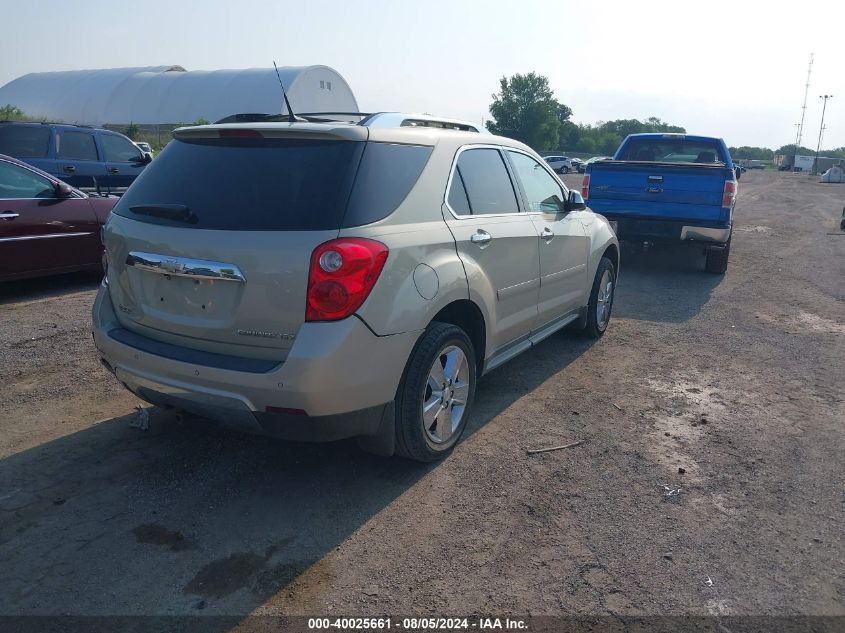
x=564, y=170
x=436, y=394
x=601, y=299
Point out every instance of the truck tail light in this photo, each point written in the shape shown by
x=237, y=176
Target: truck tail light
x=342, y=274
x=729, y=193
x=585, y=187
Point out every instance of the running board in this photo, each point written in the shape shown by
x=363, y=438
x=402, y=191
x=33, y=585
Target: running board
x=537, y=337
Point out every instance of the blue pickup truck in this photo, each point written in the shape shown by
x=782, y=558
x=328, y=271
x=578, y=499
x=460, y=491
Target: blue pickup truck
x=84, y=157
x=668, y=188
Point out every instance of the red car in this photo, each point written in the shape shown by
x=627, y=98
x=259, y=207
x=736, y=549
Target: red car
x=46, y=226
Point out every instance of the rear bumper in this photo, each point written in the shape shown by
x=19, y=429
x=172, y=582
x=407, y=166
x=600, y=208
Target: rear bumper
x=660, y=230
x=341, y=375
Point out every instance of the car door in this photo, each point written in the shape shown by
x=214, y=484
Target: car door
x=124, y=160
x=563, y=242
x=79, y=163
x=497, y=243
x=40, y=231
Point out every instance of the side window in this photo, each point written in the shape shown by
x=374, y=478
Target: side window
x=19, y=183
x=76, y=146
x=119, y=149
x=486, y=183
x=542, y=190
x=386, y=175
x=24, y=141
x=458, y=195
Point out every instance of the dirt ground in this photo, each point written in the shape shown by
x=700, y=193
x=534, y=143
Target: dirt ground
x=737, y=380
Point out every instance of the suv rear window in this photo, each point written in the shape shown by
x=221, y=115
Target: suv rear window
x=673, y=151
x=24, y=141
x=249, y=184
x=277, y=184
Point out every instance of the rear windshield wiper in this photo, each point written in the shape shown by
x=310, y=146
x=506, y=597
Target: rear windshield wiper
x=176, y=212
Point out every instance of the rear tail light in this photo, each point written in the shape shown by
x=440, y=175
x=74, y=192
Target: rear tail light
x=585, y=187
x=729, y=193
x=342, y=274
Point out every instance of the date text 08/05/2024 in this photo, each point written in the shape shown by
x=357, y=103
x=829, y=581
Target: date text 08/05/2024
x=417, y=624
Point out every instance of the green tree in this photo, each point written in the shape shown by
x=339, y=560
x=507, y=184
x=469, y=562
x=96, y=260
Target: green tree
x=605, y=136
x=752, y=153
x=789, y=150
x=12, y=113
x=201, y=121
x=525, y=109
x=132, y=130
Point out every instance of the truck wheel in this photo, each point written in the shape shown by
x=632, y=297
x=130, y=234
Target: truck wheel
x=717, y=259
x=601, y=299
x=435, y=396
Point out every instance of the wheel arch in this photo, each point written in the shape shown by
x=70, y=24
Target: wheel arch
x=612, y=253
x=466, y=315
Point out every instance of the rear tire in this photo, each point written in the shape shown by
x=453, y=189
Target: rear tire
x=601, y=299
x=716, y=261
x=435, y=396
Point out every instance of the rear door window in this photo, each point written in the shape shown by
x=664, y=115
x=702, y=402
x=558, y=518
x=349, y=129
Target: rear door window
x=24, y=141
x=243, y=184
x=76, y=146
x=485, y=179
x=385, y=176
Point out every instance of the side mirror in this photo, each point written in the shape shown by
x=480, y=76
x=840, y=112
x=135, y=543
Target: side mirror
x=738, y=172
x=147, y=158
x=575, y=202
x=63, y=190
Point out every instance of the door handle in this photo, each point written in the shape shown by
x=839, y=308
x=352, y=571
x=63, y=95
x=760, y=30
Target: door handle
x=113, y=170
x=481, y=239
x=9, y=215
x=547, y=235
x=69, y=169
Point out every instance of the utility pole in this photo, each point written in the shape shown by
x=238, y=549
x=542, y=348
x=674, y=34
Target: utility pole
x=821, y=131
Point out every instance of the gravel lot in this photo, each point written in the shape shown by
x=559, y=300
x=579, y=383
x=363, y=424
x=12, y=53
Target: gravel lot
x=737, y=380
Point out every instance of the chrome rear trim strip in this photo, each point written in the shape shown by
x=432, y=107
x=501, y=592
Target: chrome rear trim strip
x=184, y=267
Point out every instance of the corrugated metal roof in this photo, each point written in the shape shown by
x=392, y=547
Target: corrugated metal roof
x=170, y=94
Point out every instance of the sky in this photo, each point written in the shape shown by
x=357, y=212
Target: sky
x=730, y=69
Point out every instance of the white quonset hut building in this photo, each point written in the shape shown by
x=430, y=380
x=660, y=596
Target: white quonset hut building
x=171, y=95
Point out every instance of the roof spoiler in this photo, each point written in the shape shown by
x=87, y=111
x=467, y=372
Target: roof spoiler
x=312, y=117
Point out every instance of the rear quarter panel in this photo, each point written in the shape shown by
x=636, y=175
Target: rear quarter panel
x=420, y=242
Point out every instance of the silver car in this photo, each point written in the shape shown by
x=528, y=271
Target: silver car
x=321, y=281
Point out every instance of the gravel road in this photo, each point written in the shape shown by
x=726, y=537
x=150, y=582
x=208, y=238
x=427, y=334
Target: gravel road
x=710, y=480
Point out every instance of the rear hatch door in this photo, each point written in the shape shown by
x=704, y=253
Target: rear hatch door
x=210, y=248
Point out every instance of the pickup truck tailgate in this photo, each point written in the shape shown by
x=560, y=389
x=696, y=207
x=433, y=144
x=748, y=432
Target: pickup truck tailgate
x=671, y=191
